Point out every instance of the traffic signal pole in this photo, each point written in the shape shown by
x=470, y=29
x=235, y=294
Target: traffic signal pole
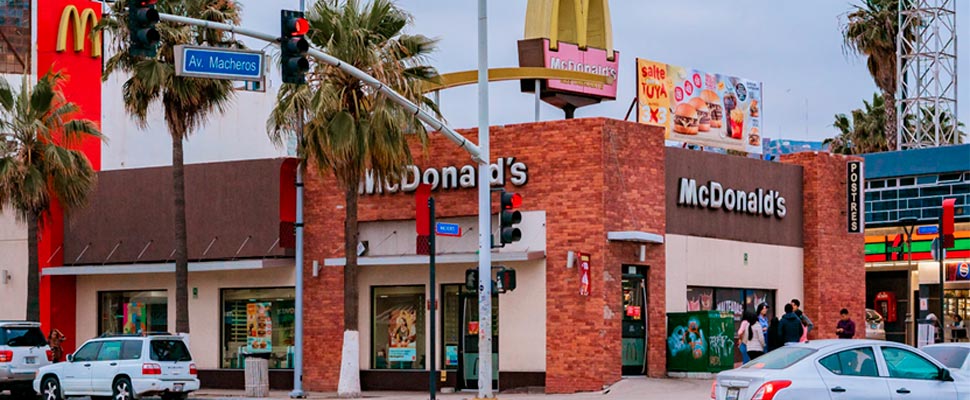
x=484, y=215
x=397, y=98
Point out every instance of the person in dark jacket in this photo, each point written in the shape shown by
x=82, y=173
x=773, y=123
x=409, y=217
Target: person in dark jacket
x=790, y=326
x=774, y=339
x=845, y=328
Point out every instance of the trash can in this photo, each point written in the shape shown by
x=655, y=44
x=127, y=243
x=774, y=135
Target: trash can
x=257, y=375
x=700, y=341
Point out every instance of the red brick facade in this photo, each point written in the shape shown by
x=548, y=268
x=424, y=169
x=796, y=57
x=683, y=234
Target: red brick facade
x=834, y=275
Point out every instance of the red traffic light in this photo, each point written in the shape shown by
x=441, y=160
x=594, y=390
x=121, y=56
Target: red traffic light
x=511, y=200
x=300, y=26
x=144, y=3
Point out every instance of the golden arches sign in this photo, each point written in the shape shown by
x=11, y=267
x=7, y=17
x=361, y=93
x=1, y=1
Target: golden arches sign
x=83, y=21
x=583, y=22
x=463, y=78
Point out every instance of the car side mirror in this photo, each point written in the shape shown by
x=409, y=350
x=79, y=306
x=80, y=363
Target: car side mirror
x=70, y=358
x=945, y=375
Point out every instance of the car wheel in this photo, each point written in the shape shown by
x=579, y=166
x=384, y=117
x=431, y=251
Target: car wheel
x=50, y=389
x=122, y=389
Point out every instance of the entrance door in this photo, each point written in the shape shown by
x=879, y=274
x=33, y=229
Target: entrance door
x=634, y=321
x=468, y=345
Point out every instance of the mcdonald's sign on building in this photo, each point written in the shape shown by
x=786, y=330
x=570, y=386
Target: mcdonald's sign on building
x=83, y=23
x=574, y=35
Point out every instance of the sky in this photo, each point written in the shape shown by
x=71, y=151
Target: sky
x=794, y=48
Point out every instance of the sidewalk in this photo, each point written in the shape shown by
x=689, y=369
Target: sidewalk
x=630, y=388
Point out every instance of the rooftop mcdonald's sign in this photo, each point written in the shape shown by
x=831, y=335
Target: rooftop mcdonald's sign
x=83, y=21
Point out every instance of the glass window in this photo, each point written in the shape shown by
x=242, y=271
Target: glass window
x=700, y=299
x=951, y=356
x=907, y=181
x=258, y=320
x=906, y=364
x=925, y=180
x=15, y=33
x=133, y=312
x=22, y=337
x=110, y=351
x=88, y=352
x=130, y=349
x=890, y=183
x=451, y=328
x=877, y=184
x=397, y=327
x=169, y=350
x=855, y=362
x=780, y=358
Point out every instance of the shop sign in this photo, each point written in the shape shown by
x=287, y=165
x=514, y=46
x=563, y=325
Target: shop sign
x=713, y=195
x=584, y=279
x=699, y=107
x=594, y=61
x=259, y=324
x=959, y=271
x=854, y=181
x=82, y=21
x=505, y=169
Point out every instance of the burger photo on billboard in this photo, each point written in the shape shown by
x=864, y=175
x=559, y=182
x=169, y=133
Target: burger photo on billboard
x=715, y=107
x=685, y=119
x=703, y=114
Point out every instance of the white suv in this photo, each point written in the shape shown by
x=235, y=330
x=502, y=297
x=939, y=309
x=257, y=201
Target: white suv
x=23, y=350
x=123, y=367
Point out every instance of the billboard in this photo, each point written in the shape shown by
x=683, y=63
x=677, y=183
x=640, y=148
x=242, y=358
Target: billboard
x=700, y=108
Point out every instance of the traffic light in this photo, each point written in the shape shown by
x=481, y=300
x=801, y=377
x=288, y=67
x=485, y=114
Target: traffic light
x=293, y=47
x=471, y=280
x=505, y=280
x=143, y=38
x=509, y=217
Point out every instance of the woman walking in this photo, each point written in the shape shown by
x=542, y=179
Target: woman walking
x=754, y=338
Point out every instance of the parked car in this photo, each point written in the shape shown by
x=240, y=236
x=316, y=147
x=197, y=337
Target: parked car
x=875, y=325
x=23, y=350
x=123, y=367
x=955, y=356
x=841, y=369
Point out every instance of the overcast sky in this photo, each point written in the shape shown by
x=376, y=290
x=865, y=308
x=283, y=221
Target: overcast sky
x=793, y=47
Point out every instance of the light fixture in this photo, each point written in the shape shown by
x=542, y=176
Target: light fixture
x=316, y=268
x=5, y=276
x=570, y=259
x=643, y=253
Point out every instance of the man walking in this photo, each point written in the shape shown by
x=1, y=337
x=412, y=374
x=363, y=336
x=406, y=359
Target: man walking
x=797, y=305
x=790, y=327
x=845, y=328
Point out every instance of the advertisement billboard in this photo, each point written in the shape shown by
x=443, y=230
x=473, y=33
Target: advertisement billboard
x=700, y=108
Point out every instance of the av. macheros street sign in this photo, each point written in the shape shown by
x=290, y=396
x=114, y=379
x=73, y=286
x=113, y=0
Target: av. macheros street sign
x=446, y=229
x=218, y=63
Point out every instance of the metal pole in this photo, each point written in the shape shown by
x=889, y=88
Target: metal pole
x=368, y=80
x=942, y=317
x=538, y=98
x=297, y=392
x=432, y=301
x=484, y=215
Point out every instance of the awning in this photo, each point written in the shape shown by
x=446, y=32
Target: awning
x=162, y=268
x=635, y=236
x=454, y=258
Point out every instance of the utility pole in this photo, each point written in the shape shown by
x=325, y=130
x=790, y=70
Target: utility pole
x=484, y=214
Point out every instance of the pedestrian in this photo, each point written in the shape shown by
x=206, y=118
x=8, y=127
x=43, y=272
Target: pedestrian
x=754, y=338
x=743, y=330
x=845, y=329
x=773, y=338
x=54, y=341
x=763, y=319
x=797, y=305
x=790, y=328
x=804, y=338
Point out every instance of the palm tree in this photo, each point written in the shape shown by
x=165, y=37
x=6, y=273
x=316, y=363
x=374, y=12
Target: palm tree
x=37, y=163
x=864, y=133
x=870, y=30
x=187, y=102
x=350, y=128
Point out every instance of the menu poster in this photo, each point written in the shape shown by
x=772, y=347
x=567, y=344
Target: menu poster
x=403, y=333
x=700, y=108
x=259, y=332
x=133, y=318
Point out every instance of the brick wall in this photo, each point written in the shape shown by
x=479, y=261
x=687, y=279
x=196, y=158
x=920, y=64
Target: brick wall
x=591, y=176
x=834, y=274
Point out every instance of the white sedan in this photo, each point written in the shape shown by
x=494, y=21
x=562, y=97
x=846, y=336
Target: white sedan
x=842, y=369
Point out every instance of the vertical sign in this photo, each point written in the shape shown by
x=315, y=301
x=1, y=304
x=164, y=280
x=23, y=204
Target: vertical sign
x=854, y=181
x=584, y=279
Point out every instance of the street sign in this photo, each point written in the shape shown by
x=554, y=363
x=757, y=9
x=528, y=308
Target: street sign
x=935, y=250
x=219, y=63
x=446, y=229
x=928, y=230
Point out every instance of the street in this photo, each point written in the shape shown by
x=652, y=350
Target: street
x=629, y=388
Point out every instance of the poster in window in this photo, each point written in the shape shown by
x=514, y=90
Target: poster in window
x=259, y=322
x=402, y=331
x=134, y=318
x=700, y=299
x=451, y=356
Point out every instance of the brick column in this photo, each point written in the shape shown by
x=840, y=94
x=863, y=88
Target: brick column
x=834, y=266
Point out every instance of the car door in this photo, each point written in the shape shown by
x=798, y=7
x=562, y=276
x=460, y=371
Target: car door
x=853, y=374
x=105, y=367
x=913, y=377
x=76, y=375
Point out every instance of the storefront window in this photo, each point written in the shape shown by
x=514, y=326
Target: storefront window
x=736, y=301
x=133, y=312
x=451, y=327
x=258, y=322
x=397, y=327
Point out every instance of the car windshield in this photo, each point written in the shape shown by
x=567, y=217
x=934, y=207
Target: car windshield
x=951, y=356
x=22, y=337
x=779, y=359
x=170, y=350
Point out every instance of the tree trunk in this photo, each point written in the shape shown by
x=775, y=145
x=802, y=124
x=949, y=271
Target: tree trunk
x=349, y=383
x=889, y=104
x=181, y=241
x=33, y=270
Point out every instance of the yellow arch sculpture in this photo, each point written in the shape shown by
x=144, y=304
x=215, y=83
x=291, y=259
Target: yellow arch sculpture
x=583, y=22
x=463, y=78
x=81, y=21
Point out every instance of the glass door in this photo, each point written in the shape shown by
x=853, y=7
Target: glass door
x=468, y=345
x=634, y=336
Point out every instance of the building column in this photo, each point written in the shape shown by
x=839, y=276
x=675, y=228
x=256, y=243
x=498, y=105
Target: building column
x=834, y=259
